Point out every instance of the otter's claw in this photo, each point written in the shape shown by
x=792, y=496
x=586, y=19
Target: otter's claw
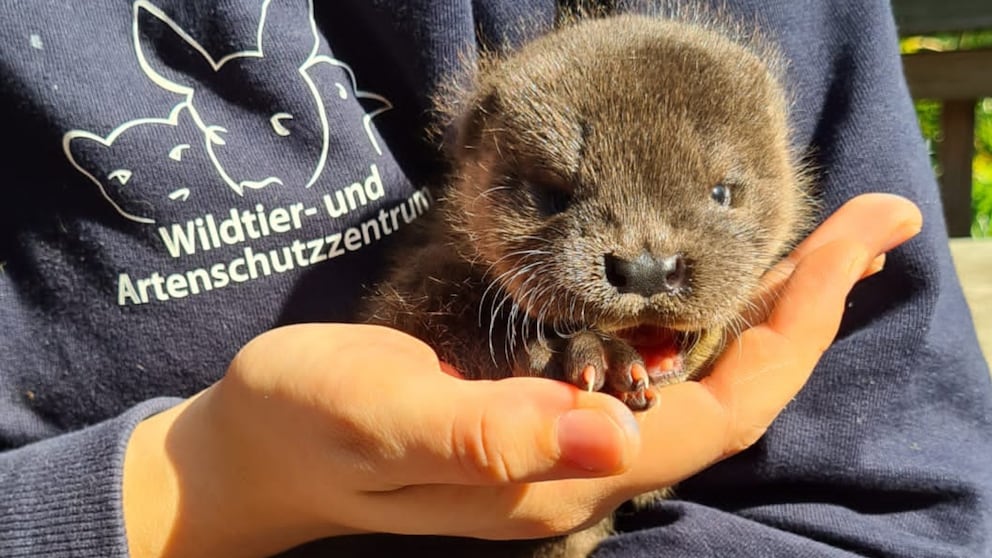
x=593, y=361
x=589, y=378
x=635, y=390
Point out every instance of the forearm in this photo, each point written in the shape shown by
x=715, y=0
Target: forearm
x=189, y=490
x=61, y=496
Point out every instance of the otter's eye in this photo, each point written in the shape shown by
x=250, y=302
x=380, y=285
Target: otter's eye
x=555, y=201
x=550, y=199
x=721, y=194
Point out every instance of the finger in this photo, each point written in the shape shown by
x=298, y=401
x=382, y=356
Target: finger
x=773, y=360
x=388, y=402
x=417, y=423
x=887, y=219
x=495, y=512
x=511, y=431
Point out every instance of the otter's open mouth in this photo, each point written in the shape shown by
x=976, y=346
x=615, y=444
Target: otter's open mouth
x=662, y=349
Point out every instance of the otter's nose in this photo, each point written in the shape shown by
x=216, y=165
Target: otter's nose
x=647, y=275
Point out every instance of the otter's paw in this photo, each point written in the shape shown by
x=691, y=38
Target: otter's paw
x=596, y=362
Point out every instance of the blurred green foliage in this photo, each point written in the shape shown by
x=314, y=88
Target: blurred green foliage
x=928, y=111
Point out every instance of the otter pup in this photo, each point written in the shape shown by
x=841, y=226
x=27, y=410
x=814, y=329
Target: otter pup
x=618, y=188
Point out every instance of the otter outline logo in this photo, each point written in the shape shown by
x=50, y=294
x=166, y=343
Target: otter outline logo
x=252, y=132
x=121, y=177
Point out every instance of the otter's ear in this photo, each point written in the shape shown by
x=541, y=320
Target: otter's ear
x=468, y=128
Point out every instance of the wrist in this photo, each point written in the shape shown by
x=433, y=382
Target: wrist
x=150, y=491
x=189, y=491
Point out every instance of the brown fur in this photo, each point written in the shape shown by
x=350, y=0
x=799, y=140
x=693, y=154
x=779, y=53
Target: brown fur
x=601, y=140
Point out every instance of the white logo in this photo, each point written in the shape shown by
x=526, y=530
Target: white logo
x=254, y=118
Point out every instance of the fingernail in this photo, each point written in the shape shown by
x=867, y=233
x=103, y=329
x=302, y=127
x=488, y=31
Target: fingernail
x=592, y=440
x=858, y=265
x=876, y=265
x=906, y=230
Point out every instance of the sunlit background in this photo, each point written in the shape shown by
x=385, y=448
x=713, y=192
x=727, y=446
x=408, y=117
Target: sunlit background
x=929, y=111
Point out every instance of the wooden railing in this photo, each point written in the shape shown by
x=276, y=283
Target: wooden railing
x=919, y=17
x=958, y=80
x=972, y=259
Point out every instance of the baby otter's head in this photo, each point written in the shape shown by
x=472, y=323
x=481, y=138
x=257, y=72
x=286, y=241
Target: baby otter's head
x=628, y=174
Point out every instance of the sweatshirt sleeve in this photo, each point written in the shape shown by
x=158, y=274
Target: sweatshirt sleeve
x=887, y=450
x=62, y=495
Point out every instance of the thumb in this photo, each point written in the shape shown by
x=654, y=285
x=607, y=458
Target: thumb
x=389, y=400
x=516, y=430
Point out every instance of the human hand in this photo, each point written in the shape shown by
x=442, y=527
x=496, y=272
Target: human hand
x=323, y=430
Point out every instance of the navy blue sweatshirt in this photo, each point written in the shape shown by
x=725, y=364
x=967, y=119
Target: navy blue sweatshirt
x=180, y=177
